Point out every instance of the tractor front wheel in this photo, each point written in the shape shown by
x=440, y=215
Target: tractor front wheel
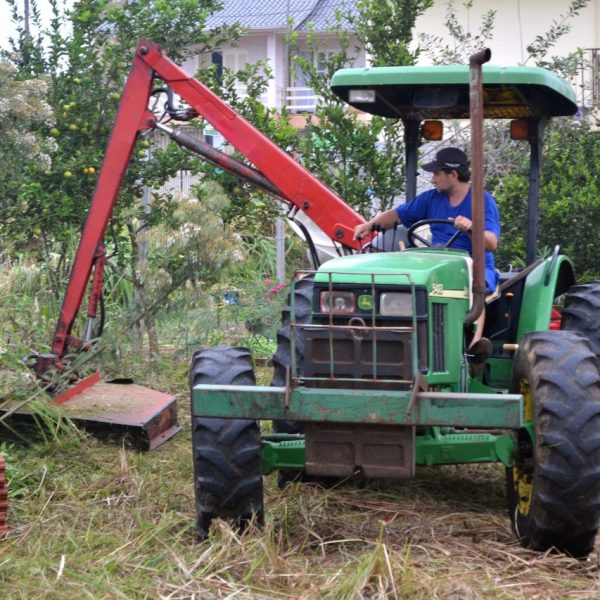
x=227, y=452
x=554, y=487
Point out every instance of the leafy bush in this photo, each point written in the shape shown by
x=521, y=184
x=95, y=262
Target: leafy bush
x=568, y=204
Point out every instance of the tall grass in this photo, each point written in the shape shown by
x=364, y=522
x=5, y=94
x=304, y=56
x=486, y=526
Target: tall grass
x=98, y=521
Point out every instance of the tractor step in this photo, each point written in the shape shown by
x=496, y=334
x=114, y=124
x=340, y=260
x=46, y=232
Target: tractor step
x=118, y=409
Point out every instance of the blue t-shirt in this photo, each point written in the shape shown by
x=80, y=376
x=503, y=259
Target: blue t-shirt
x=436, y=205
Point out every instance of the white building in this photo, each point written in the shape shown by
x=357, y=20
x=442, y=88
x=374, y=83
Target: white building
x=516, y=24
x=268, y=25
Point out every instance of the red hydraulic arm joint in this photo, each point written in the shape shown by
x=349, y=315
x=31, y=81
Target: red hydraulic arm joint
x=293, y=182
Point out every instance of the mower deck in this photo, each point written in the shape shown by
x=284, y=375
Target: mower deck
x=145, y=417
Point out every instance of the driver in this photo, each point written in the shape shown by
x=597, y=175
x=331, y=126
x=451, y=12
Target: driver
x=450, y=198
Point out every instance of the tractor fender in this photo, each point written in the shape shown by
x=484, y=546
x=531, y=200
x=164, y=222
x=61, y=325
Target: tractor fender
x=553, y=277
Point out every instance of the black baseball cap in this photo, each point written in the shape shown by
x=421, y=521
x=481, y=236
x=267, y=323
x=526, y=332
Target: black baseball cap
x=447, y=159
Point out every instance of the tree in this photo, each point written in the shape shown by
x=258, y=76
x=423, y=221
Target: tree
x=23, y=112
x=386, y=29
x=461, y=42
x=83, y=67
x=568, y=201
x=85, y=70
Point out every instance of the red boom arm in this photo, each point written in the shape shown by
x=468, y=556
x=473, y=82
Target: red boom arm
x=295, y=183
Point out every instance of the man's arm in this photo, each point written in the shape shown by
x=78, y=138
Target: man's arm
x=490, y=239
x=384, y=220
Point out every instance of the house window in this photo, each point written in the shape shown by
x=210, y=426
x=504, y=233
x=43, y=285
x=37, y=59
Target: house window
x=235, y=60
x=321, y=61
x=301, y=98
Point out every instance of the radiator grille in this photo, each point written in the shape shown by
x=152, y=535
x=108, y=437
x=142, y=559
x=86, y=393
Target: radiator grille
x=439, y=340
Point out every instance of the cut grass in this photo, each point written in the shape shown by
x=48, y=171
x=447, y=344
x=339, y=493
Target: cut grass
x=100, y=521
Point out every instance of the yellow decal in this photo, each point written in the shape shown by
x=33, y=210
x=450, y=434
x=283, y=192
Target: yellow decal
x=438, y=291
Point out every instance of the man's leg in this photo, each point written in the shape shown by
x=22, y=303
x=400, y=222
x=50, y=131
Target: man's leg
x=480, y=348
x=478, y=328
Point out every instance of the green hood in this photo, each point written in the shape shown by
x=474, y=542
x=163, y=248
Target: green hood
x=439, y=271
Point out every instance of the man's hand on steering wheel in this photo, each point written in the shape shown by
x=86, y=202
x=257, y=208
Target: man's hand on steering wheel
x=462, y=224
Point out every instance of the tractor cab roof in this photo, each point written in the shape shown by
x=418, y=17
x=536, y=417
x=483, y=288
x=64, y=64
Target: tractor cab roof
x=442, y=92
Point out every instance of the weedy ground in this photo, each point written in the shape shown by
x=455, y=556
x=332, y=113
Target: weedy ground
x=96, y=520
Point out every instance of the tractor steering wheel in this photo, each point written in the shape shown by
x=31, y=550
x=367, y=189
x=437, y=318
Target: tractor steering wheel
x=412, y=235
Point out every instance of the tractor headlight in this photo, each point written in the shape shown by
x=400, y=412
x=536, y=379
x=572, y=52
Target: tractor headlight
x=337, y=302
x=395, y=304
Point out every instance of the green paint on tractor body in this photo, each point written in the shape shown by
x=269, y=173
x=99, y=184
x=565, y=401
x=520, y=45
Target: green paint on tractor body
x=385, y=345
x=437, y=284
x=373, y=369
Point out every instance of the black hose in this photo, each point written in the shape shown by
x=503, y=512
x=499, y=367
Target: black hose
x=314, y=257
x=102, y=320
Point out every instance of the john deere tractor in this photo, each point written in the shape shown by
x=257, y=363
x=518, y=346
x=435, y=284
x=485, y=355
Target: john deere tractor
x=372, y=371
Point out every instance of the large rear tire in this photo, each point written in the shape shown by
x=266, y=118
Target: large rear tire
x=554, y=488
x=227, y=452
x=582, y=313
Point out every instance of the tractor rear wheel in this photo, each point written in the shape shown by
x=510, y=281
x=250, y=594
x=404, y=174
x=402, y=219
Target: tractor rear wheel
x=554, y=487
x=282, y=359
x=302, y=307
x=227, y=452
x=582, y=313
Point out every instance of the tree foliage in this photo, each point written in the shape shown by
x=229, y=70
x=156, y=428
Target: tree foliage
x=84, y=65
x=460, y=42
x=386, y=30
x=540, y=47
x=463, y=42
x=568, y=204
x=23, y=112
x=83, y=58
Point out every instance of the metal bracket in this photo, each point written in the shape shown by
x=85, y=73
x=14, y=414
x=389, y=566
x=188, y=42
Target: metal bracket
x=288, y=388
x=420, y=385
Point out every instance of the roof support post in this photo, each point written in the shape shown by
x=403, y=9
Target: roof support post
x=411, y=147
x=536, y=138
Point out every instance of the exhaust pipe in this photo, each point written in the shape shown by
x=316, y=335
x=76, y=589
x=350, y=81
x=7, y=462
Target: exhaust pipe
x=476, y=113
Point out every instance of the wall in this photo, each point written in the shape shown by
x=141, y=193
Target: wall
x=516, y=25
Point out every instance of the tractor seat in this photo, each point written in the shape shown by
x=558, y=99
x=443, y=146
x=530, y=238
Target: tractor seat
x=518, y=276
x=510, y=280
x=504, y=305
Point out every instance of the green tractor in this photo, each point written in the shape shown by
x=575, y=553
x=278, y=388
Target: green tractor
x=372, y=369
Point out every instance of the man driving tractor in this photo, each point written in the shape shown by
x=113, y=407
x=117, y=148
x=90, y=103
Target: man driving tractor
x=450, y=198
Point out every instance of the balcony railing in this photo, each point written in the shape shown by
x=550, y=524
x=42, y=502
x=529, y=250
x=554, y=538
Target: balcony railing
x=587, y=81
x=301, y=99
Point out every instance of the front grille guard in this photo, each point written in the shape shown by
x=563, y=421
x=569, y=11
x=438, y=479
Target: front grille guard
x=379, y=278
